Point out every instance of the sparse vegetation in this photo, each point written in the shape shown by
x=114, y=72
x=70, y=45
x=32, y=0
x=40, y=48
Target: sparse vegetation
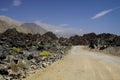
x=21, y=65
x=45, y=53
x=14, y=67
x=16, y=49
x=11, y=56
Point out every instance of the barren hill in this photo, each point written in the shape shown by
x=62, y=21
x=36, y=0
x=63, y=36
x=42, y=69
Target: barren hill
x=34, y=28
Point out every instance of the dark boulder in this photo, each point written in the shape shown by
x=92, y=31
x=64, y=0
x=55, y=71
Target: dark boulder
x=117, y=41
x=64, y=41
x=4, y=72
x=92, y=45
x=50, y=35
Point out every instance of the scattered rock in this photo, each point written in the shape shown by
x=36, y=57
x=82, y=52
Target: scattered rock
x=20, y=53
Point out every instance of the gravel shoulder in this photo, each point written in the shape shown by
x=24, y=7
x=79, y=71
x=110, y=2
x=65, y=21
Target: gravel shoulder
x=81, y=64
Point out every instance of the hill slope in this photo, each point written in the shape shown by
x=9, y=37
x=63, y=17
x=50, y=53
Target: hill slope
x=10, y=21
x=6, y=23
x=34, y=28
x=4, y=26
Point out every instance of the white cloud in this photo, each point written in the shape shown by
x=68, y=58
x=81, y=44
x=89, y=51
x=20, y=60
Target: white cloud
x=17, y=2
x=3, y=9
x=102, y=13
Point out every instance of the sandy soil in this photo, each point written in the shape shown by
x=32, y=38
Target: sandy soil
x=81, y=64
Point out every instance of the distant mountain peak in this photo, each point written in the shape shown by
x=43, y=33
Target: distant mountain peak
x=34, y=27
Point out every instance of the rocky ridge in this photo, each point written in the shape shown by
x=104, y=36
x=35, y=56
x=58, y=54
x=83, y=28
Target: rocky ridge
x=109, y=43
x=94, y=40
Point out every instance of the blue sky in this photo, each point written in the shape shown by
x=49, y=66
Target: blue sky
x=88, y=15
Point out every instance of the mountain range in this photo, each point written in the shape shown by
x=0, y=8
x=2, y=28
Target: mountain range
x=4, y=26
x=6, y=22
x=35, y=27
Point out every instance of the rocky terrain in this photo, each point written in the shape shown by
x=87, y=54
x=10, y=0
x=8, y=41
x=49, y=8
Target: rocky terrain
x=27, y=47
x=81, y=64
x=96, y=41
x=22, y=54
x=106, y=42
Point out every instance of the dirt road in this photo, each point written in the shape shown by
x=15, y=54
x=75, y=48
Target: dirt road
x=81, y=64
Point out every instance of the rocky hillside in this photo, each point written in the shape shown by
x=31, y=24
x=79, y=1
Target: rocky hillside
x=110, y=43
x=21, y=54
x=98, y=40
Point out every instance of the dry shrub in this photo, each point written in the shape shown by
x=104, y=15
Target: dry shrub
x=14, y=67
x=21, y=65
x=17, y=67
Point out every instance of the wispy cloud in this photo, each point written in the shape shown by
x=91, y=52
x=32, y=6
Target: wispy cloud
x=3, y=9
x=102, y=13
x=17, y=2
x=61, y=30
x=64, y=24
